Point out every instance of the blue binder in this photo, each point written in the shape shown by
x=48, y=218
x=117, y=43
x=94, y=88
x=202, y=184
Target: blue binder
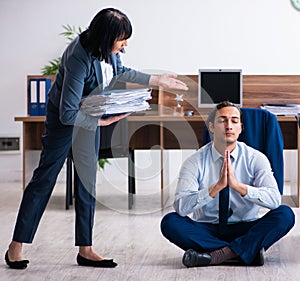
x=44, y=87
x=33, y=104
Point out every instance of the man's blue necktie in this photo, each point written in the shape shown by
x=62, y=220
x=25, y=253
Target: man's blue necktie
x=224, y=211
x=223, y=206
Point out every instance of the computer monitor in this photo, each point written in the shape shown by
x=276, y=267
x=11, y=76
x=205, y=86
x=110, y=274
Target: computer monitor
x=217, y=85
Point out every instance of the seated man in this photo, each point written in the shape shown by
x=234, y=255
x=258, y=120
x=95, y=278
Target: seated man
x=224, y=184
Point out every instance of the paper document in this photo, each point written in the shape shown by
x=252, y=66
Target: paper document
x=116, y=102
x=283, y=109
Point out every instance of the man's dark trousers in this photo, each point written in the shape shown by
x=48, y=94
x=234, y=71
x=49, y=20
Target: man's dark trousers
x=245, y=238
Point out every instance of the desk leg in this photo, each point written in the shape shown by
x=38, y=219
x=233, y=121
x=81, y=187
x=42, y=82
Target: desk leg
x=24, y=156
x=164, y=170
x=69, y=179
x=131, y=178
x=165, y=185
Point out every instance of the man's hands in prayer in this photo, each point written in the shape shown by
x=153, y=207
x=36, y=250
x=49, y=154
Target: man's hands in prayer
x=227, y=177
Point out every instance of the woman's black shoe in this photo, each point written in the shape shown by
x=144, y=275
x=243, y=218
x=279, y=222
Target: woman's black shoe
x=103, y=263
x=16, y=264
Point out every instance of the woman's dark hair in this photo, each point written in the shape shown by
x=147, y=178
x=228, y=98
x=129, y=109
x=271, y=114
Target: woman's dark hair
x=108, y=26
x=211, y=117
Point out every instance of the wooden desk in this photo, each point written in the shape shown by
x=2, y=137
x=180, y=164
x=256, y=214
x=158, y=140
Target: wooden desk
x=166, y=128
x=159, y=131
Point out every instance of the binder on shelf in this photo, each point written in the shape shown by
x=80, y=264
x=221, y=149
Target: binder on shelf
x=33, y=106
x=38, y=95
x=44, y=87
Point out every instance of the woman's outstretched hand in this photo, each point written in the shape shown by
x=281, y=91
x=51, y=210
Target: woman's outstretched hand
x=168, y=81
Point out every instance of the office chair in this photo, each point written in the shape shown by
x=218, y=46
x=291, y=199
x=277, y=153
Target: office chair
x=114, y=143
x=261, y=131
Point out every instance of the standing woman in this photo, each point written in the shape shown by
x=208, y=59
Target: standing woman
x=88, y=64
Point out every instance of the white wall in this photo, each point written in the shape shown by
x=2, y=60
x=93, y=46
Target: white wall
x=259, y=36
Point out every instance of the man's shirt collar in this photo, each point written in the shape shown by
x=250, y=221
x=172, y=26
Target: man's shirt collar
x=216, y=155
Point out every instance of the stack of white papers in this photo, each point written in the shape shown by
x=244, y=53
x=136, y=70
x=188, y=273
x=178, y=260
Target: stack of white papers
x=283, y=109
x=116, y=102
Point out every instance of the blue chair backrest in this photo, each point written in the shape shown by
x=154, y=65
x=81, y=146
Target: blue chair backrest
x=262, y=132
